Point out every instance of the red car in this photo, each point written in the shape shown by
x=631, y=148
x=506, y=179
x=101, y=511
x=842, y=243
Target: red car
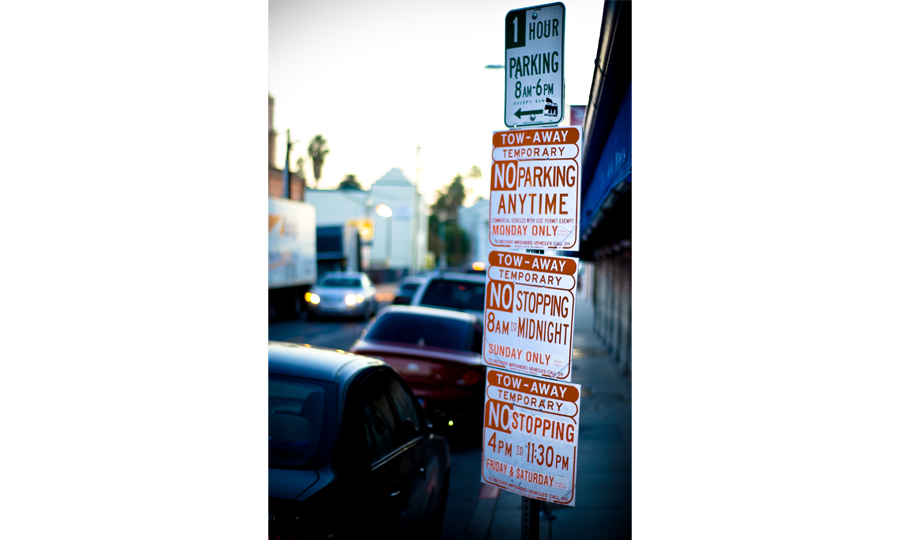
x=438, y=354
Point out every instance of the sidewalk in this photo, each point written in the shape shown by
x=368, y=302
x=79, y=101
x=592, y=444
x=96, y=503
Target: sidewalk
x=603, y=483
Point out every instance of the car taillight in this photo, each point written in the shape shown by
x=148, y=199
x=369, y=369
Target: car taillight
x=471, y=377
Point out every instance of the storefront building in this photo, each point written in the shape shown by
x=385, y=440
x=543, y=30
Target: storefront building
x=607, y=185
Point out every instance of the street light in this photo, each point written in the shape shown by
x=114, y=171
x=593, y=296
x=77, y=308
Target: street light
x=385, y=211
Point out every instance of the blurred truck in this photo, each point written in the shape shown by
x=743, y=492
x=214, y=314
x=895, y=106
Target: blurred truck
x=292, y=255
x=339, y=248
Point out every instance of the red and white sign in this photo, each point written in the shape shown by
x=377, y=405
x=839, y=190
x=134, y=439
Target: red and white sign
x=536, y=188
x=529, y=314
x=530, y=436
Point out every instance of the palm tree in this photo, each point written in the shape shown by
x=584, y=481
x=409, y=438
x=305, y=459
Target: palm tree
x=318, y=149
x=300, y=172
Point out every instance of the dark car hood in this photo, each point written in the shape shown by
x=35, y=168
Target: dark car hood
x=288, y=484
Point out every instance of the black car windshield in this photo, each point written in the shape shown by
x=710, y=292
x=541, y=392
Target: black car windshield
x=432, y=331
x=409, y=287
x=454, y=294
x=341, y=282
x=301, y=420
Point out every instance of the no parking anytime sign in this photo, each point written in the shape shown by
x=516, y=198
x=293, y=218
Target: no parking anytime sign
x=529, y=313
x=530, y=436
x=535, y=188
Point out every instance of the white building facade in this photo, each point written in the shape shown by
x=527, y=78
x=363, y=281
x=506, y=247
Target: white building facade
x=399, y=241
x=475, y=220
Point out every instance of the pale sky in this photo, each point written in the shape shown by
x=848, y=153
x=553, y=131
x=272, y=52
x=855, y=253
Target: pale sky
x=377, y=79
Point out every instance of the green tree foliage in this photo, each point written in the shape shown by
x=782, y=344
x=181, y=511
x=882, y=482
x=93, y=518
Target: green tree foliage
x=456, y=241
x=318, y=149
x=451, y=199
x=350, y=182
x=446, y=208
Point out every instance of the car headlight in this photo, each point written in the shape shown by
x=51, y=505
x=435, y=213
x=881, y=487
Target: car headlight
x=307, y=296
x=360, y=298
x=351, y=299
x=313, y=298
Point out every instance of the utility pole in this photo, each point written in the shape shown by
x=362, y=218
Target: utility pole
x=414, y=266
x=287, y=168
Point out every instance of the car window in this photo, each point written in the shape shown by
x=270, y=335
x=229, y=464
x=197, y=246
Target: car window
x=454, y=294
x=382, y=431
x=406, y=408
x=478, y=339
x=299, y=421
x=409, y=287
x=341, y=282
x=426, y=329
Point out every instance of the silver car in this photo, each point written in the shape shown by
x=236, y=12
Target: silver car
x=343, y=294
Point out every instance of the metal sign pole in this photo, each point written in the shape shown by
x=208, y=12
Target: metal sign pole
x=531, y=508
x=531, y=519
x=537, y=31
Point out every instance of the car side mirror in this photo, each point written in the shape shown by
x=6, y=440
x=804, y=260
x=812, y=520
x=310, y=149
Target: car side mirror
x=409, y=428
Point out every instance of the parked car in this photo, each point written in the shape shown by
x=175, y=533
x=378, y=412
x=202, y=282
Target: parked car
x=438, y=353
x=407, y=289
x=342, y=294
x=351, y=454
x=453, y=290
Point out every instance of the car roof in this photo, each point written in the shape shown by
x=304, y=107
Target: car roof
x=343, y=274
x=458, y=276
x=428, y=312
x=316, y=363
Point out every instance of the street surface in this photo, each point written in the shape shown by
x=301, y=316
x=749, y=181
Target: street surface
x=479, y=511
x=331, y=333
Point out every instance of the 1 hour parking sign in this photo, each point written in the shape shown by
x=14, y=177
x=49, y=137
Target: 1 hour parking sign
x=531, y=436
x=529, y=313
x=534, y=65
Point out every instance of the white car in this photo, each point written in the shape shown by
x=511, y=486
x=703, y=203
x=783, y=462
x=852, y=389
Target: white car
x=457, y=291
x=347, y=294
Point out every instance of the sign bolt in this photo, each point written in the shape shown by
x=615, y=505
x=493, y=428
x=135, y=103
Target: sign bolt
x=534, y=14
x=532, y=117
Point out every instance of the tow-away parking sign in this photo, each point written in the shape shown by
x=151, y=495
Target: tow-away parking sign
x=535, y=188
x=530, y=436
x=529, y=314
